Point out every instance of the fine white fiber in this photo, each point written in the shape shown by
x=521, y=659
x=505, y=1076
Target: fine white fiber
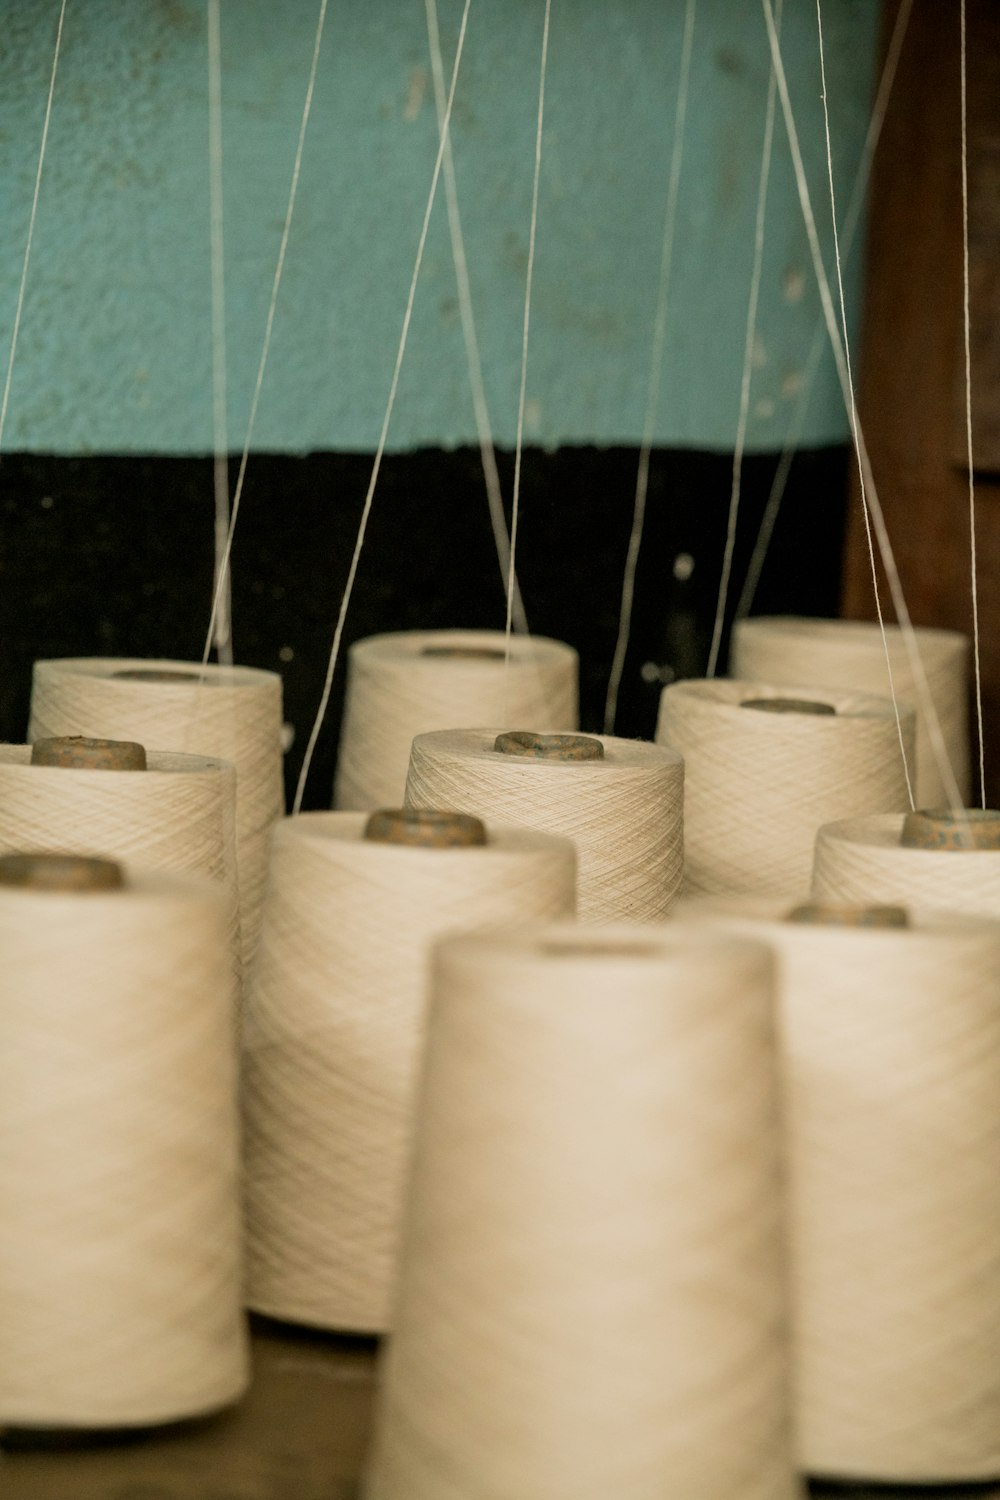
x=444, y=126
x=229, y=713
x=890, y=1041
x=179, y=814
x=592, y=1296
x=862, y=859
x=333, y=1031
x=623, y=811
x=413, y=681
x=120, y=1293
x=758, y=784
x=221, y=589
x=850, y=654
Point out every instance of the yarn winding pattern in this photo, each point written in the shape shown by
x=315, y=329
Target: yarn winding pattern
x=396, y=690
x=179, y=814
x=624, y=813
x=891, y=1044
x=233, y=714
x=861, y=859
x=850, y=655
x=333, y=1033
x=120, y=1251
x=759, y=785
x=591, y=1292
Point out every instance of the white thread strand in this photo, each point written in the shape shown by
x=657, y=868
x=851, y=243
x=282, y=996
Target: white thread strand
x=745, y=379
x=846, y=350
x=891, y=1070
x=480, y=407
x=624, y=813
x=848, y=232
x=120, y=1288
x=967, y=341
x=268, y=328
x=528, y=280
x=862, y=859
x=404, y=684
x=655, y=375
x=384, y=433
x=850, y=655
x=5, y=400
x=333, y=1039
x=231, y=713
x=758, y=784
x=592, y=1291
x=179, y=815
x=220, y=438
x=874, y=505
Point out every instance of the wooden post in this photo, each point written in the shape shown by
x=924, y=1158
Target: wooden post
x=912, y=385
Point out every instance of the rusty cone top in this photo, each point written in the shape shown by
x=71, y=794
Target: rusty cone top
x=162, y=674
x=940, y=828
x=789, y=706
x=77, y=752
x=626, y=949
x=464, y=653
x=60, y=872
x=843, y=914
x=567, y=747
x=425, y=828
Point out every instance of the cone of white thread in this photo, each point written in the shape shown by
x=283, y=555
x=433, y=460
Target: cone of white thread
x=623, y=810
x=411, y=682
x=334, y=1026
x=758, y=784
x=891, y=1062
x=851, y=655
x=592, y=1285
x=863, y=859
x=178, y=814
x=231, y=713
x=120, y=1285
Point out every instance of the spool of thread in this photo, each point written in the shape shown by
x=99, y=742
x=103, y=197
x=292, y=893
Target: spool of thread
x=120, y=1296
x=163, y=811
x=850, y=654
x=948, y=861
x=415, y=681
x=228, y=713
x=592, y=1289
x=758, y=785
x=620, y=801
x=333, y=1033
x=891, y=1056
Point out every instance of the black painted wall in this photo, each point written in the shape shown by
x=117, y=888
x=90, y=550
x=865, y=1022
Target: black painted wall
x=113, y=556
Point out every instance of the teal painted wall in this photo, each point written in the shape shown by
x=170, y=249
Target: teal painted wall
x=115, y=353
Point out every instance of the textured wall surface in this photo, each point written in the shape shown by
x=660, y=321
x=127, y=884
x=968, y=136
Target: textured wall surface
x=115, y=351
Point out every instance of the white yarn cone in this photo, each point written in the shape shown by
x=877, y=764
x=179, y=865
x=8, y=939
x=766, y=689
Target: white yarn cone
x=891, y=1042
x=333, y=1032
x=758, y=785
x=624, y=812
x=231, y=713
x=592, y=1288
x=120, y=1296
x=862, y=859
x=850, y=654
x=414, y=681
x=179, y=814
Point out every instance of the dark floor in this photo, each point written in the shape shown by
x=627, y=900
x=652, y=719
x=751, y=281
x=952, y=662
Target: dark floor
x=299, y=1435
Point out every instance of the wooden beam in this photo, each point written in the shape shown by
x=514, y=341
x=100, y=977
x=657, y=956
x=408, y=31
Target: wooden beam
x=912, y=384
